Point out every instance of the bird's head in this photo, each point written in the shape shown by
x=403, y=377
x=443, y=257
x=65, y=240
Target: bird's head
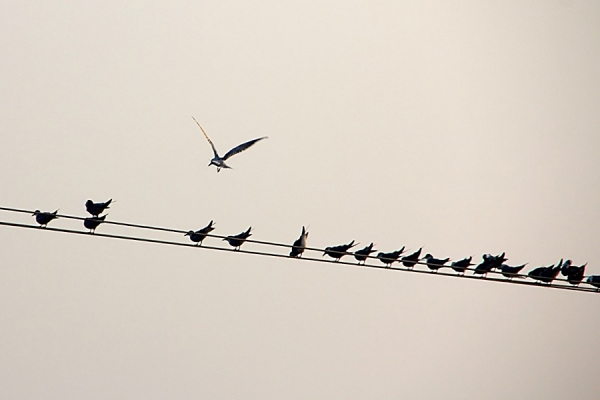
x=36, y=212
x=189, y=233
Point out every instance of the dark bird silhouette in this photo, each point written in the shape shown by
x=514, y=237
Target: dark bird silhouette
x=461, y=266
x=299, y=245
x=338, y=252
x=219, y=161
x=594, y=280
x=410, y=260
x=93, y=222
x=96, y=208
x=573, y=273
x=43, y=218
x=238, y=240
x=389, y=258
x=489, y=263
x=545, y=274
x=512, y=272
x=199, y=235
x=362, y=254
x=434, y=263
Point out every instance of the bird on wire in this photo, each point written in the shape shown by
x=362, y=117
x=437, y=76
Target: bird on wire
x=434, y=263
x=389, y=258
x=92, y=223
x=510, y=271
x=337, y=252
x=236, y=241
x=410, y=260
x=594, y=280
x=545, y=274
x=489, y=263
x=362, y=254
x=219, y=161
x=573, y=273
x=96, y=208
x=43, y=218
x=299, y=244
x=199, y=235
x=461, y=266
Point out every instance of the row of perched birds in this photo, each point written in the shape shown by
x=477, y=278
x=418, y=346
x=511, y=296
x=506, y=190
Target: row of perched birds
x=546, y=274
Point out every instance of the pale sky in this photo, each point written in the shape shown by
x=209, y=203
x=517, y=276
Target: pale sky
x=465, y=127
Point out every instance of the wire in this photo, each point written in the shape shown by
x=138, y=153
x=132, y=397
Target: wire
x=267, y=254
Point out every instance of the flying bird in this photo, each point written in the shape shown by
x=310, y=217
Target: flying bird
x=299, y=245
x=238, y=240
x=389, y=258
x=362, y=254
x=96, y=208
x=461, y=266
x=93, y=222
x=510, y=271
x=199, y=235
x=435, y=263
x=43, y=218
x=219, y=161
x=338, y=252
x=410, y=260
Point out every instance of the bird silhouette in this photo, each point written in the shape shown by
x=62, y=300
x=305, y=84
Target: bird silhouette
x=92, y=223
x=238, y=240
x=545, y=274
x=573, y=273
x=199, y=235
x=362, y=254
x=594, y=280
x=389, y=258
x=219, y=161
x=461, y=266
x=489, y=263
x=410, y=260
x=434, y=263
x=337, y=252
x=96, y=208
x=299, y=245
x=43, y=218
x=511, y=272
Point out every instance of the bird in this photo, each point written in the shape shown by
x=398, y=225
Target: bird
x=338, y=252
x=489, y=263
x=410, y=260
x=299, y=245
x=362, y=254
x=43, y=218
x=96, y=208
x=199, y=235
x=238, y=240
x=545, y=274
x=511, y=272
x=92, y=223
x=461, y=266
x=219, y=161
x=389, y=258
x=573, y=273
x=435, y=263
x=594, y=280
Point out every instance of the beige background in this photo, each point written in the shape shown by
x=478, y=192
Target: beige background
x=466, y=127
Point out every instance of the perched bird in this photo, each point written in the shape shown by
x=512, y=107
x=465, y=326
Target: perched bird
x=594, y=280
x=43, y=218
x=512, y=272
x=566, y=267
x=93, y=222
x=199, y=235
x=489, y=263
x=362, y=254
x=573, y=273
x=389, y=258
x=219, y=161
x=299, y=245
x=461, y=266
x=338, y=252
x=545, y=274
x=410, y=260
x=238, y=240
x=434, y=263
x=96, y=208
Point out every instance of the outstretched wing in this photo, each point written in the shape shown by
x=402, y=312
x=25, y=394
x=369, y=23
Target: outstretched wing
x=241, y=147
x=207, y=138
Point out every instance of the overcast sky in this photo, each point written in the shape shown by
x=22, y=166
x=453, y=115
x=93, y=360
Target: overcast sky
x=465, y=127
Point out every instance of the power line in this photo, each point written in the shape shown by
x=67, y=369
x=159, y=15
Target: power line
x=279, y=255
